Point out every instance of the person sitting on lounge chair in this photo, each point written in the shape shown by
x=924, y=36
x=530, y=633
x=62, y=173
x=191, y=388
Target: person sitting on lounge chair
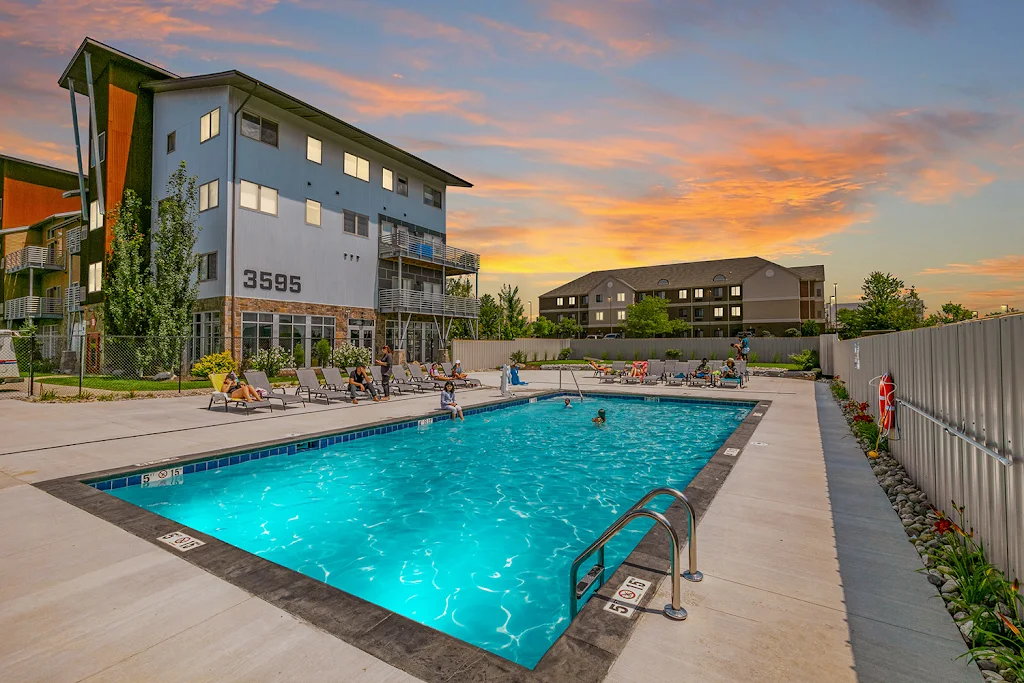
x=437, y=372
x=457, y=371
x=603, y=369
x=702, y=371
x=729, y=370
x=235, y=389
x=448, y=401
x=361, y=381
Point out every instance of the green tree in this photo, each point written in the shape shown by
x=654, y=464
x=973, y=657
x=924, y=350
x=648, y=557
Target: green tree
x=461, y=287
x=126, y=285
x=886, y=304
x=490, y=317
x=949, y=313
x=175, y=263
x=542, y=327
x=810, y=328
x=678, y=327
x=514, y=323
x=647, y=318
x=568, y=328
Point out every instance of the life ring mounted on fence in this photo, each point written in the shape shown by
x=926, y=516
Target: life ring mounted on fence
x=886, y=403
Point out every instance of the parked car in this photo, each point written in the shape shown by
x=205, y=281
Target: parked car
x=613, y=335
x=593, y=336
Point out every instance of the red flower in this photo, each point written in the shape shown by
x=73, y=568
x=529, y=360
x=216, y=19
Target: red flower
x=943, y=526
x=864, y=407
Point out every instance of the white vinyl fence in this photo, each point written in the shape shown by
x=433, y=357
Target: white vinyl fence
x=768, y=349
x=487, y=355
x=966, y=378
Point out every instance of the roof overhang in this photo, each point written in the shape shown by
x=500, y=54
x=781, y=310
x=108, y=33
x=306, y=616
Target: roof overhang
x=308, y=112
x=57, y=220
x=101, y=56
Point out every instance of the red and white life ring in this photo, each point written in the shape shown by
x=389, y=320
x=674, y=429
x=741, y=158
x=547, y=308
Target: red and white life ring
x=886, y=402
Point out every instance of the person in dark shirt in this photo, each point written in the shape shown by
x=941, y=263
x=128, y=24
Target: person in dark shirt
x=361, y=381
x=385, y=362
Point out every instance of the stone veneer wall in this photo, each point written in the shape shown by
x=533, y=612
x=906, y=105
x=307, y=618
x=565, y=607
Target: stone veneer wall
x=341, y=314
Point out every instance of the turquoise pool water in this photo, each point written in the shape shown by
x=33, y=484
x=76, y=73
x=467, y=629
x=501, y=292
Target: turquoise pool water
x=469, y=528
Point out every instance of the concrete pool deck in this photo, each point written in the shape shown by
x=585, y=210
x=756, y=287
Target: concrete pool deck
x=809, y=575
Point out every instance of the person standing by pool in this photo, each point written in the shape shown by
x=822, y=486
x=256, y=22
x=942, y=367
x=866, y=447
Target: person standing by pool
x=745, y=354
x=600, y=420
x=448, y=401
x=385, y=362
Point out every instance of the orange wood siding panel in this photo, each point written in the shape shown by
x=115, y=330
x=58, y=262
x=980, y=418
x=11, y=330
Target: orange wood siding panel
x=120, y=121
x=25, y=203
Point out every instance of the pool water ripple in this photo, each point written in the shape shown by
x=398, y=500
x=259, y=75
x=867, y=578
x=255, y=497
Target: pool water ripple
x=469, y=528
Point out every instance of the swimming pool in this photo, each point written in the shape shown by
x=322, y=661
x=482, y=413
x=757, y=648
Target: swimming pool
x=469, y=528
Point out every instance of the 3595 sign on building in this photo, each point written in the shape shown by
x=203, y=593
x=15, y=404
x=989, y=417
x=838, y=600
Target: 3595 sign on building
x=263, y=279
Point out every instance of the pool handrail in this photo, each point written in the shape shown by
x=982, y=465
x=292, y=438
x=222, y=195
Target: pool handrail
x=691, y=574
x=675, y=609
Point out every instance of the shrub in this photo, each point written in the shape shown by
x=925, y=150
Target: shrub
x=636, y=355
x=545, y=355
x=269, y=361
x=604, y=355
x=839, y=391
x=673, y=353
x=213, y=364
x=348, y=356
x=518, y=357
x=766, y=333
x=713, y=356
x=776, y=357
x=693, y=355
x=620, y=357
x=298, y=356
x=48, y=395
x=564, y=353
x=806, y=359
x=792, y=332
x=535, y=357
x=322, y=352
x=753, y=356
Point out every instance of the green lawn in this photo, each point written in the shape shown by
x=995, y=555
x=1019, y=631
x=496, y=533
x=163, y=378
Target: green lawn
x=783, y=366
x=556, y=362
x=123, y=384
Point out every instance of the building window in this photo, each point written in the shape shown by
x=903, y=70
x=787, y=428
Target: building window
x=572, y=301
x=662, y=282
x=735, y=290
x=817, y=292
x=598, y=298
x=387, y=179
x=357, y=167
x=683, y=313
x=209, y=195
x=719, y=333
x=718, y=278
x=620, y=297
x=660, y=295
x=206, y=334
x=717, y=292
x=95, y=277
x=258, y=197
x=314, y=150
x=313, y=212
x=735, y=311
x=95, y=217
x=102, y=140
x=583, y=301
x=172, y=139
x=403, y=186
x=208, y=266
x=258, y=128
x=431, y=197
x=621, y=315
x=719, y=311
x=698, y=314
x=599, y=316
x=698, y=293
x=209, y=125
x=357, y=224
x=559, y=301
x=682, y=294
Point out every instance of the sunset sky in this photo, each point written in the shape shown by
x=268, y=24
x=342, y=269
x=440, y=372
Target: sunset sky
x=862, y=134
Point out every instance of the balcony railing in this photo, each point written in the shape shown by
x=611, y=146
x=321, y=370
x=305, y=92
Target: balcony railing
x=417, y=249
x=26, y=307
x=411, y=301
x=73, y=238
x=74, y=297
x=34, y=257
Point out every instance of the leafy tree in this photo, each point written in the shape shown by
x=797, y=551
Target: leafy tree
x=542, y=327
x=810, y=328
x=568, y=328
x=678, y=327
x=647, y=318
x=886, y=304
x=463, y=287
x=490, y=317
x=514, y=323
x=175, y=287
x=322, y=353
x=126, y=287
x=1009, y=309
x=949, y=313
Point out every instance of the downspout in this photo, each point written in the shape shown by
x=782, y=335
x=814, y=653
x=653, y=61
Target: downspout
x=233, y=173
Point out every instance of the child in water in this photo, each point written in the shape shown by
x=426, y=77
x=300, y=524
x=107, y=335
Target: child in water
x=600, y=419
x=568, y=403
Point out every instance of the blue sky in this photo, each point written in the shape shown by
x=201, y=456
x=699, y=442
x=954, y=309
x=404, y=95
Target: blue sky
x=862, y=134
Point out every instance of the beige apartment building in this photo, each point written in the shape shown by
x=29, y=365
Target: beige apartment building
x=717, y=298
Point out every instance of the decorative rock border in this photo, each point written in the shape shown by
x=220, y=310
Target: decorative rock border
x=919, y=519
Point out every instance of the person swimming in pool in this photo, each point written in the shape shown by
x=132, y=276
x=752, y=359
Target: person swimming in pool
x=601, y=419
x=568, y=403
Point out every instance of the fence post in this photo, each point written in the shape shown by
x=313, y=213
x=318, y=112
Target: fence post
x=181, y=362
x=81, y=362
x=32, y=366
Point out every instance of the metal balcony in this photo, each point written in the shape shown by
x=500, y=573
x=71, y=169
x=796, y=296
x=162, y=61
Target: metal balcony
x=26, y=307
x=34, y=257
x=411, y=301
x=423, y=252
x=73, y=239
x=74, y=298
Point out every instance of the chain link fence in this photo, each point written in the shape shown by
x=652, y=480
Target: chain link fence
x=106, y=366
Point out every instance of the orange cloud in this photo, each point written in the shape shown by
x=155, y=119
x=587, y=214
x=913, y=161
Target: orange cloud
x=1002, y=268
x=624, y=26
x=539, y=41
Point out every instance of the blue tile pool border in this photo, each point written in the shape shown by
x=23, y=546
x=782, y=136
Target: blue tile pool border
x=133, y=477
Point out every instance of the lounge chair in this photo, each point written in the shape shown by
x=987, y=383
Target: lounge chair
x=334, y=380
x=309, y=384
x=218, y=396
x=379, y=379
x=629, y=378
x=417, y=376
x=618, y=366
x=468, y=381
x=400, y=378
x=735, y=382
x=259, y=380
x=655, y=369
x=693, y=380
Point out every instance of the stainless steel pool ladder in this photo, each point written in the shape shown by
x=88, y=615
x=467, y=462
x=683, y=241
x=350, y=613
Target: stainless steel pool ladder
x=577, y=588
x=573, y=373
